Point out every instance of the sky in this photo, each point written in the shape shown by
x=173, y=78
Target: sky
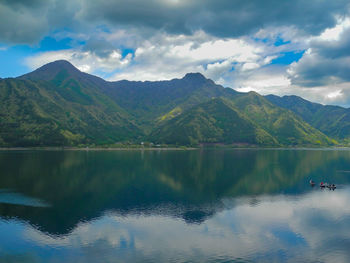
x=280, y=47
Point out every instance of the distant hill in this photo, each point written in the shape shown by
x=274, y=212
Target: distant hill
x=333, y=121
x=58, y=105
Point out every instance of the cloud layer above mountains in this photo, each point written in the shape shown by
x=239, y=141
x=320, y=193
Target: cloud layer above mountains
x=281, y=47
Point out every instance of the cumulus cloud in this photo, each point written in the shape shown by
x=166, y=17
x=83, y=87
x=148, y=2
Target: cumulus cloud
x=314, y=69
x=164, y=57
x=265, y=81
x=322, y=74
x=169, y=56
x=326, y=60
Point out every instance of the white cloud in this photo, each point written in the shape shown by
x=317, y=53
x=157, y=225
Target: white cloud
x=265, y=84
x=334, y=94
x=333, y=34
x=322, y=74
x=327, y=59
x=166, y=57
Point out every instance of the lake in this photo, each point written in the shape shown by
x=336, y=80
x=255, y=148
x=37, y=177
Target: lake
x=214, y=205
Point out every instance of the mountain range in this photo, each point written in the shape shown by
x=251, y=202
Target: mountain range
x=58, y=105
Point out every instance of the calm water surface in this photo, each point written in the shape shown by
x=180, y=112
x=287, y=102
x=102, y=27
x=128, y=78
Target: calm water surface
x=174, y=206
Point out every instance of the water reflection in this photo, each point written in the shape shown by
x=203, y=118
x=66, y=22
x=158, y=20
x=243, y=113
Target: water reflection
x=188, y=184
x=214, y=205
x=9, y=197
x=313, y=227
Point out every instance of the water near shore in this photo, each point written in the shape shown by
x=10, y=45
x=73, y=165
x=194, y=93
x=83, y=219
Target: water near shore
x=227, y=205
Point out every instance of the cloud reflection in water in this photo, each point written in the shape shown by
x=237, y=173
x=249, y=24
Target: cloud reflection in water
x=309, y=227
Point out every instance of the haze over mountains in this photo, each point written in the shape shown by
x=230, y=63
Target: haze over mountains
x=58, y=105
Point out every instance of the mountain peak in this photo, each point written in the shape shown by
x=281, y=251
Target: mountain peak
x=60, y=62
x=58, y=65
x=50, y=70
x=194, y=76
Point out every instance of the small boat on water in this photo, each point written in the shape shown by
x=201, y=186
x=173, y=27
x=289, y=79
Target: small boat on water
x=331, y=186
x=323, y=185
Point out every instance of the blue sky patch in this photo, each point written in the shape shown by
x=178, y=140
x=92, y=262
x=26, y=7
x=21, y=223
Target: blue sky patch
x=12, y=64
x=287, y=58
x=127, y=51
x=52, y=44
x=280, y=42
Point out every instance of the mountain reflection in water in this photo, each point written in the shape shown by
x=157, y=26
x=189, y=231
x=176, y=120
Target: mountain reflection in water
x=211, y=205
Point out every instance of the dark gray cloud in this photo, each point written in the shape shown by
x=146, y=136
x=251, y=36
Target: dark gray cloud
x=220, y=18
x=100, y=47
x=64, y=14
x=22, y=21
x=314, y=70
x=333, y=49
x=27, y=21
x=24, y=3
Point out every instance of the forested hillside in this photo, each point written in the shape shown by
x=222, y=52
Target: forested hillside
x=58, y=105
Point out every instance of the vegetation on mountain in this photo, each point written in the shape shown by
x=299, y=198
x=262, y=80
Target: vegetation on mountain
x=285, y=126
x=58, y=105
x=333, y=121
x=248, y=118
x=150, y=102
x=59, y=112
x=215, y=121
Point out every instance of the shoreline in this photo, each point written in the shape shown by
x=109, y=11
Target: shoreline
x=94, y=149
x=167, y=148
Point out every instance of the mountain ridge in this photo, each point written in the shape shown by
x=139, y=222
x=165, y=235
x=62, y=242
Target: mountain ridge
x=59, y=101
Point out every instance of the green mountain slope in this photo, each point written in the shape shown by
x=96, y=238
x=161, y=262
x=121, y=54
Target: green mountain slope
x=246, y=118
x=59, y=110
x=285, y=126
x=59, y=105
x=334, y=121
x=215, y=121
x=151, y=102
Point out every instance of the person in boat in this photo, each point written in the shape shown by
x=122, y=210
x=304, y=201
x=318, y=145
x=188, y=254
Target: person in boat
x=322, y=184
